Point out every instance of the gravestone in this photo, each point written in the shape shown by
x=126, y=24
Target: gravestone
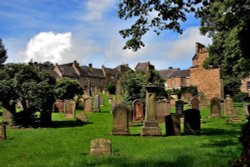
x=246, y=108
x=80, y=102
x=172, y=102
x=2, y=132
x=215, y=108
x=96, y=105
x=100, y=147
x=179, y=105
x=192, y=125
x=203, y=99
x=82, y=117
x=120, y=120
x=228, y=106
x=101, y=101
x=7, y=116
x=138, y=110
x=70, y=107
x=88, y=104
x=59, y=105
x=195, y=103
x=150, y=125
x=162, y=110
x=172, y=125
x=234, y=117
x=110, y=100
x=118, y=92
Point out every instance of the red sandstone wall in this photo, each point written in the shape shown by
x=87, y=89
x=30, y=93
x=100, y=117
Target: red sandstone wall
x=243, y=87
x=208, y=81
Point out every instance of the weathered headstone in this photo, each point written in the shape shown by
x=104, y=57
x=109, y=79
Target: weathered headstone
x=101, y=101
x=234, y=117
x=110, y=99
x=228, y=106
x=80, y=102
x=88, y=104
x=121, y=120
x=172, y=125
x=203, y=99
x=7, y=116
x=2, y=132
x=118, y=92
x=59, y=105
x=100, y=147
x=138, y=110
x=150, y=125
x=82, y=117
x=195, y=103
x=215, y=108
x=162, y=110
x=246, y=109
x=179, y=105
x=192, y=125
x=70, y=107
x=172, y=102
x=96, y=105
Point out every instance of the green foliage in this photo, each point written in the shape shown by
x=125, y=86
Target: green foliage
x=241, y=97
x=67, y=88
x=29, y=86
x=111, y=88
x=168, y=16
x=191, y=89
x=3, y=53
x=134, y=85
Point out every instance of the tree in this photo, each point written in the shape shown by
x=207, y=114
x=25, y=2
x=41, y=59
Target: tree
x=134, y=85
x=228, y=23
x=3, y=53
x=29, y=86
x=67, y=88
x=153, y=15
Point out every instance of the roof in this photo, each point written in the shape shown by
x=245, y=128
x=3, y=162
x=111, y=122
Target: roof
x=68, y=71
x=143, y=66
x=110, y=71
x=123, y=68
x=174, y=73
x=91, y=72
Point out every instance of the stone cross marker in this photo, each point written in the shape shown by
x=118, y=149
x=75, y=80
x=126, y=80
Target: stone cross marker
x=151, y=125
x=100, y=147
x=215, y=108
x=192, y=124
x=195, y=103
x=228, y=106
x=138, y=110
x=121, y=120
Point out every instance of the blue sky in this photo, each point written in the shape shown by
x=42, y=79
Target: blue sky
x=62, y=31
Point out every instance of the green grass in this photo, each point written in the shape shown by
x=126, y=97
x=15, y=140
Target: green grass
x=67, y=144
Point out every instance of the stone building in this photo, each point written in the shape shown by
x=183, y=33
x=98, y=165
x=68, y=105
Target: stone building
x=145, y=67
x=207, y=80
x=245, y=85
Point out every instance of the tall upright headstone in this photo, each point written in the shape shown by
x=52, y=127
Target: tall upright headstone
x=192, y=124
x=151, y=125
x=195, y=103
x=59, y=105
x=120, y=120
x=118, y=92
x=179, y=107
x=162, y=110
x=215, y=108
x=228, y=105
x=96, y=107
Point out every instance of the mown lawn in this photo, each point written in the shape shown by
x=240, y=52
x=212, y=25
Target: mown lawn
x=67, y=144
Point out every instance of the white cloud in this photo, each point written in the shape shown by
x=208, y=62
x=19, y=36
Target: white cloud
x=49, y=46
x=96, y=8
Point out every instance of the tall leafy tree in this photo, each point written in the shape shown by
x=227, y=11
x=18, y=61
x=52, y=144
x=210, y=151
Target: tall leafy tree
x=3, y=53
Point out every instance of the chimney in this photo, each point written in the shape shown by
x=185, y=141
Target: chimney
x=198, y=47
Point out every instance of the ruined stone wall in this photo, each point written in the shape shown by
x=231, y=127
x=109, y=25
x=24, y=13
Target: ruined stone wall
x=208, y=81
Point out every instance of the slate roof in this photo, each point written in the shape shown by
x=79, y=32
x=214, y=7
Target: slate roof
x=174, y=73
x=91, y=72
x=123, y=68
x=110, y=71
x=68, y=71
x=143, y=66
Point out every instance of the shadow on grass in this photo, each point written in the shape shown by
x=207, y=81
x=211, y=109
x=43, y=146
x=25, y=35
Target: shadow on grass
x=113, y=161
x=64, y=124
x=220, y=132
